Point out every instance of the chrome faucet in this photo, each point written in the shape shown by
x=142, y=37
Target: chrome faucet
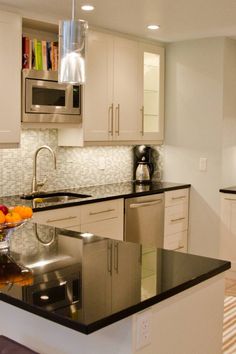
x=35, y=183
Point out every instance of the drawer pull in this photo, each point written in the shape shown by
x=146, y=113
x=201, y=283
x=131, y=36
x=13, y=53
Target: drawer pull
x=101, y=212
x=180, y=197
x=232, y=199
x=177, y=220
x=139, y=205
x=62, y=219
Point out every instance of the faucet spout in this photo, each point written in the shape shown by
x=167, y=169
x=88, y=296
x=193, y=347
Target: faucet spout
x=35, y=183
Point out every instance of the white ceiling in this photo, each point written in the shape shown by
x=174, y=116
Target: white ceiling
x=179, y=19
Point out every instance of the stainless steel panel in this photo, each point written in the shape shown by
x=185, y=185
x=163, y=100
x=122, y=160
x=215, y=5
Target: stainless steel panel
x=144, y=220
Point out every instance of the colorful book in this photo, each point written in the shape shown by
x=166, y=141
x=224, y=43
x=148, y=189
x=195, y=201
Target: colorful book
x=25, y=53
x=39, y=56
x=55, y=47
x=44, y=55
x=36, y=57
x=49, y=62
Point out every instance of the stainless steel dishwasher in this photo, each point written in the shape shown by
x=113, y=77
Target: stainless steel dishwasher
x=144, y=220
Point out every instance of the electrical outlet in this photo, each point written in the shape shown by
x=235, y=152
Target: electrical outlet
x=203, y=164
x=143, y=329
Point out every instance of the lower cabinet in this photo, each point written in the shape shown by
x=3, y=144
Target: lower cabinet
x=67, y=218
x=228, y=229
x=106, y=219
x=102, y=218
x=107, y=284
x=176, y=220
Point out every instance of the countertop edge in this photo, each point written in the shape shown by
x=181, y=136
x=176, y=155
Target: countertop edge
x=228, y=191
x=111, y=197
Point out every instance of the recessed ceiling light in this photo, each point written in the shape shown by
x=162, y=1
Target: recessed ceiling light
x=153, y=27
x=87, y=7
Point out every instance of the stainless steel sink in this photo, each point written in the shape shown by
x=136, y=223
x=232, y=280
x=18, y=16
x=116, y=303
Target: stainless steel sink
x=54, y=197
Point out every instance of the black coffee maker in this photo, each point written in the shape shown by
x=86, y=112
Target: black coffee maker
x=143, y=156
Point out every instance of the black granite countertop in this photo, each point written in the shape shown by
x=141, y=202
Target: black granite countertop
x=98, y=193
x=231, y=190
x=87, y=282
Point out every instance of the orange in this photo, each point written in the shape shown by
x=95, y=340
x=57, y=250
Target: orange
x=24, y=211
x=13, y=217
x=2, y=217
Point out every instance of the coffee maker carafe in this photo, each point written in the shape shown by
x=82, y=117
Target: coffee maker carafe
x=142, y=173
x=143, y=163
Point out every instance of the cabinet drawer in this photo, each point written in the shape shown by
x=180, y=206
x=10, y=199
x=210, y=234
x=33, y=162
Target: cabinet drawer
x=176, y=218
x=112, y=228
x=176, y=197
x=63, y=218
x=177, y=242
x=101, y=211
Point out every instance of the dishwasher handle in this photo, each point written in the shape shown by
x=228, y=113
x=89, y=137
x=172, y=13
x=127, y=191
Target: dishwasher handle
x=144, y=204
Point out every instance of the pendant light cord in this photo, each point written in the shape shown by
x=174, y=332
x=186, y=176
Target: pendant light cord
x=73, y=9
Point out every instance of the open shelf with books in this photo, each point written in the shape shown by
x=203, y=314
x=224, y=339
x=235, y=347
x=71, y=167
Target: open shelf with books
x=39, y=45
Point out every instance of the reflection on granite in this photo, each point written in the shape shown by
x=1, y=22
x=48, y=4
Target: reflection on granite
x=86, y=283
x=100, y=193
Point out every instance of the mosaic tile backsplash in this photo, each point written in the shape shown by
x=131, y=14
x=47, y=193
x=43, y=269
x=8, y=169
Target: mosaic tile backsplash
x=76, y=167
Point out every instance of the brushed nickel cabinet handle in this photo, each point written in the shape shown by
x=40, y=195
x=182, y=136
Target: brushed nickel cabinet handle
x=101, y=212
x=62, y=219
x=110, y=118
x=116, y=256
x=142, y=112
x=109, y=257
x=180, y=197
x=232, y=199
x=118, y=119
x=177, y=220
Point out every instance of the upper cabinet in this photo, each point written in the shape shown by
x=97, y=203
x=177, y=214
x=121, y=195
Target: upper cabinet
x=10, y=83
x=111, y=106
x=98, y=93
x=123, y=94
x=152, y=94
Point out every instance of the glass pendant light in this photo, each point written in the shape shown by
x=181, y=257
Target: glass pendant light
x=72, y=36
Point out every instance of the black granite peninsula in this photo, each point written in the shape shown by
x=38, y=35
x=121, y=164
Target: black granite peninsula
x=85, y=282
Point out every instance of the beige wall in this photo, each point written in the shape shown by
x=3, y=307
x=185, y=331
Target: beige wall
x=194, y=119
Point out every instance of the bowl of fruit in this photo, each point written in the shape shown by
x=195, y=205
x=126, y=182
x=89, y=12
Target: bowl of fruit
x=12, y=218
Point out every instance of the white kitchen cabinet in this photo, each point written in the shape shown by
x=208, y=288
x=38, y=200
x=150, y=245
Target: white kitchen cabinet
x=10, y=83
x=124, y=93
x=126, y=84
x=176, y=220
x=98, y=91
x=107, y=284
x=228, y=228
x=152, y=95
x=102, y=218
x=67, y=218
x=111, y=106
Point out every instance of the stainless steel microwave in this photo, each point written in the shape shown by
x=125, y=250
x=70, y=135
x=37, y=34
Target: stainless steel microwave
x=44, y=100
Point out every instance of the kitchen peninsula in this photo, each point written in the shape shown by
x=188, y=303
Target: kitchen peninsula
x=127, y=298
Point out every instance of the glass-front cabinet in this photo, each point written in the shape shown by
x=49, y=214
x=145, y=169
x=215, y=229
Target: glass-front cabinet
x=152, y=95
